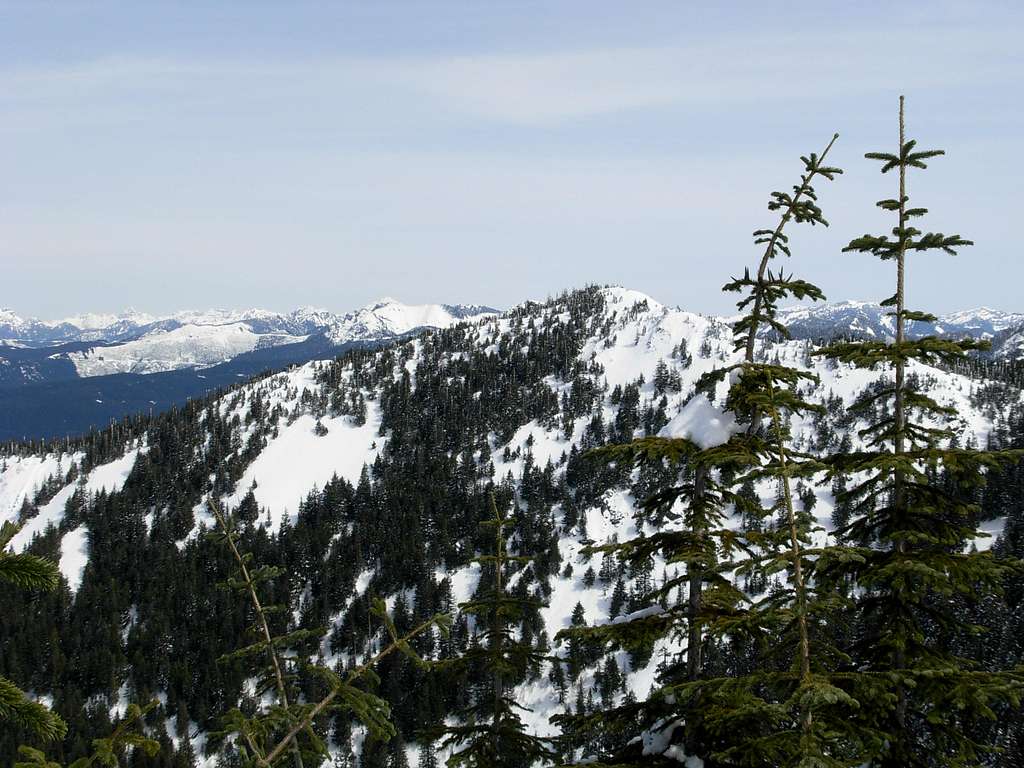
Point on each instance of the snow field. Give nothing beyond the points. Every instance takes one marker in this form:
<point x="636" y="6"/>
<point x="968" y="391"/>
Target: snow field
<point x="24" y="476"/>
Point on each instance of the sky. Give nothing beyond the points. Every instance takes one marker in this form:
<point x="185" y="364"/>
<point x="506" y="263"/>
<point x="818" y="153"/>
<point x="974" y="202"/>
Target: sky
<point x="194" y="155"/>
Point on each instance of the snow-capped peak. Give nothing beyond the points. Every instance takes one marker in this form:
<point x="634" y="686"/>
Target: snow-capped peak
<point x="386" y="316"/>
<point x="93" y="321"/>
<point x="136" y="342"/>
<point x="996" y="319"/>
<point x="389" y="317"/>
<point x="617" y="294"/>
<point x="870" y="320"/>
<point x="10" y="317"/>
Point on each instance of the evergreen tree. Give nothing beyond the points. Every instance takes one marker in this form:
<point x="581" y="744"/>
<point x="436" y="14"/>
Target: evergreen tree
<point x="618" y="599"/>
<point x="427" y="756"/>
<point x="718" y="714"/>
<point x="916" y="568"/>
<point x="492" y="735"/>
<point x="794" y="707"/>
<point x="263" y="738"/>
<point x="274" y="675"/>
<point x="16" y="709"/>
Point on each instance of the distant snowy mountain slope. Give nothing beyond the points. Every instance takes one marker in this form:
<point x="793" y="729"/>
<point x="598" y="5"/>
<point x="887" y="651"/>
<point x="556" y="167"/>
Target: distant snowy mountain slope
<point x="386" y="316"/>
<point x="46" y="368"/>
<point x="1011" y="345"/>
<point x="190" y="346"/>
<point x="350" y="465"/>
<point x="860" y="319"/>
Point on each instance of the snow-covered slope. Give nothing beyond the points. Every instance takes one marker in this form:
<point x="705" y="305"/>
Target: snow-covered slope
<point x="190" y="346"/>
<point x="861" y="319"/>
<point x="1011" y="346"/>
<point x="637" y="335"/>
<point x="24" y="479"/>
<point x="108" y="323"/>
<point x="386" y="316"/>
<point x="389" y="317"/>
<point x="628" y="341"/>
<point x="133" y="342"/>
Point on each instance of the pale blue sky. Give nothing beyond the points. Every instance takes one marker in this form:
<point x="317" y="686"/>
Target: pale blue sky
<point x="277" y="154"/>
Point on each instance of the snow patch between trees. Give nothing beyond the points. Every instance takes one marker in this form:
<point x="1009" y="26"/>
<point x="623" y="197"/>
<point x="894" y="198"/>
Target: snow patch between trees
<point x="298" y="459"/>
<point x="702" y="423"/>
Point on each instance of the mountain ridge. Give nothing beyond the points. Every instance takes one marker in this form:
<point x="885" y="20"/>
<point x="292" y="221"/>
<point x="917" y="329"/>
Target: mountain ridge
<point x="50" y="387"/>
<point x="131" y="324"/>
<point x="369" y="473"/>
<point x="865" y="319"/>
<point x="67" y="387"/>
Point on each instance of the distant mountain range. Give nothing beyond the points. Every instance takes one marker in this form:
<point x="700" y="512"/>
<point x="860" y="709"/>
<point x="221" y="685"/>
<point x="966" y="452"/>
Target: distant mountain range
<point x="63" y="377"/>
<point x="859" y="319"/>
<point x="135" y="342"/>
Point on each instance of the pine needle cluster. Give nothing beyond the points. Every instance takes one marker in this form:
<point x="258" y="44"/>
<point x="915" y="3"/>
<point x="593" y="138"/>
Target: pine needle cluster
<point x="28" y="572"/>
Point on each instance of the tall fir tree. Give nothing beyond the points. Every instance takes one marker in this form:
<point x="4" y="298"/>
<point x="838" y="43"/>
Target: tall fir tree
<point x="918" y="565"/>
<point x="708" y="550"/>
<point x="492" y="734"/>
<point x="793" y="709"/>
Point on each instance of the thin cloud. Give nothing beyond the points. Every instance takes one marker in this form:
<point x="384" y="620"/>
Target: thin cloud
<point x="541" y="88"/>
<point x="549" y="88"/>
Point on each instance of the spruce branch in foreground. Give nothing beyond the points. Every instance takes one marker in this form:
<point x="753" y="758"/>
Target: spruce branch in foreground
<point x="128" y="735"/>
<point x="268" y="644"/>
<point x="268" y="738"/>
<point x="29" y="572"/>
<point x="371" y="710"/>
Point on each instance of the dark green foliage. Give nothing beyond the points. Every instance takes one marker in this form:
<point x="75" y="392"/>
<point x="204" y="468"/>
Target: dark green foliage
<point x="766" y="288"/>
<point x="916" y="569"/>
<point x="697" y="541"/>
<point x="284" y="732"/>
<point x="127" y="738"/>
<point x="491" y="734"/>
<point x="24" y="570"/>
<point x="29" y="572"/>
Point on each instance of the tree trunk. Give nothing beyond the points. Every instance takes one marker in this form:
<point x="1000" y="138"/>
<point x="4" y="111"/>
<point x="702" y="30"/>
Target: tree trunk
<point x="799" y="586"/>
<point x="899" y="424"/>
